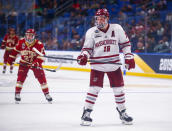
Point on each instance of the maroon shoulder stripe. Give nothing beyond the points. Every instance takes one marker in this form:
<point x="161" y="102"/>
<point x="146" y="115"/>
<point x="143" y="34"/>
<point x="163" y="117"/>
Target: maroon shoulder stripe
<point x="124" y="43"/>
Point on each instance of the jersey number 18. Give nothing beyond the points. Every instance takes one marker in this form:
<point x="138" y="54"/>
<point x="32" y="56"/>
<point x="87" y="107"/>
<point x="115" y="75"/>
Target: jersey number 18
<point x="106" y="48"/>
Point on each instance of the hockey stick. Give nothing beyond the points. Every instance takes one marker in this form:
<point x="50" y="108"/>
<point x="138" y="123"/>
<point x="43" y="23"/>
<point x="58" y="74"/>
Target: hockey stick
<point x="56" y="69"/>
<point x="39" y="53"/>
<point x="51" y="70"/>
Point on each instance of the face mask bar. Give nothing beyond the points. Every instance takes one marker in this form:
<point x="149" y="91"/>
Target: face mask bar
<point x="29" y="37"/>
<point x="99" y="23"/>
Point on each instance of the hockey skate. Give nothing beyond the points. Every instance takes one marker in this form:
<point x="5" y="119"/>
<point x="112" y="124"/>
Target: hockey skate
<point x="17" y="98"/>
<point x="3" y="71"/>
<point x="127" y="120"/>
<point x="85" y="119"/>
<point x="48" y="98"/>
<point x="11" y="71"/>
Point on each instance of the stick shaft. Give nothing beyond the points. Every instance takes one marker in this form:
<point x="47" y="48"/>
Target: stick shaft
<point x="51" y="70"/>
<point x="92" y="61"/>
<point x="63" y="58"/>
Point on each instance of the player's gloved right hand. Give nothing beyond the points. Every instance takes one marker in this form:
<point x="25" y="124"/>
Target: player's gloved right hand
<point x="10" y="60"/>
<point x="37" y="63"/>
<point x="82" y="59"/>
<point x="129" y="61"/>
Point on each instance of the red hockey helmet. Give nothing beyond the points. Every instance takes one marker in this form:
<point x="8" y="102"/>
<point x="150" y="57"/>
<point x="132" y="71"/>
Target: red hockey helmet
<point x="101" y="18"/>
<point x="102" y="12"/>
<point x="30" y="35"/>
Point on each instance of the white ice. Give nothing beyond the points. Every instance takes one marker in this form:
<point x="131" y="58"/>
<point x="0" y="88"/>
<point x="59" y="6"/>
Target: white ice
<point x="148" y="101"/>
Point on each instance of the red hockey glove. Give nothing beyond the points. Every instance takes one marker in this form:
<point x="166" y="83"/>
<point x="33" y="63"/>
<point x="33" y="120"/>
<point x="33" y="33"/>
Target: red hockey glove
<point x="129" y="61"/>
<point x="37" y="63"/>
<point x="10" y="60"/>
<point x="2" y="46"/>
<point x="82" y="59"/>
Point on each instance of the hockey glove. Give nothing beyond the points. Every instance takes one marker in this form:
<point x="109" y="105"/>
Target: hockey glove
<point x="129" y="61"/>
<point x="2" y="46"/>
<point x="36" y="63"/>
<point x="82" y="59"/>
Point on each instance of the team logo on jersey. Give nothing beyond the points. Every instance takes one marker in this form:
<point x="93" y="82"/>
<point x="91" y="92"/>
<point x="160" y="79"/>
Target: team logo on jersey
<point x="96" y="31"/>
<point x="105" y="42"/>
<point x="113" y="34"/>
<point x="97" y="35"/>
<point x="23" y="45"/>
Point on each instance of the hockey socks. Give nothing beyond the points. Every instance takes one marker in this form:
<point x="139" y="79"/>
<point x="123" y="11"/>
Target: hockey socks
<point x="4" y="68"/>
<point x="92" y="96"/>
<point x="11" y="69"/>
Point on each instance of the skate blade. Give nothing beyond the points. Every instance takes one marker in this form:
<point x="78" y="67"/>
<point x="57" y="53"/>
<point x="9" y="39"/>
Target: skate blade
<point x="85" y="123"/>
<point x="50" y="102"/>
<point x="17" y="102"/>
<point x="127" y="123"/>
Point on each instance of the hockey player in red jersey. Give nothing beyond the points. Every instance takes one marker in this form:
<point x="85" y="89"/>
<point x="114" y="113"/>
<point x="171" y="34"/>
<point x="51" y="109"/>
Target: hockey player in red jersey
<point x="29" y="60"/>
<point x="103" y="42"/>
<point x="8" y="43"/>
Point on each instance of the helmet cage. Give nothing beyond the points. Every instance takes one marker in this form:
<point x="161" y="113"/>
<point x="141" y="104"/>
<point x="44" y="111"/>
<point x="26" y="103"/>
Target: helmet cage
<point x="99" y="22"/>
<point x="100" y="14"/>
<point x="30" y="35"/>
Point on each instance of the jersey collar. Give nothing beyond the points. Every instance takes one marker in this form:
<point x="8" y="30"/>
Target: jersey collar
<point x="31" y="44"/>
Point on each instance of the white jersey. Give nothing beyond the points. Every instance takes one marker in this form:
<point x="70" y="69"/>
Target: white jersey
<point x="105" y="46"/>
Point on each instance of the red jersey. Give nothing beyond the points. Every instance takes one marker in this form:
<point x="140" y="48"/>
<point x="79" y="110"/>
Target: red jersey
<point x="9" y="42"/>
<point x="25" y="50"/>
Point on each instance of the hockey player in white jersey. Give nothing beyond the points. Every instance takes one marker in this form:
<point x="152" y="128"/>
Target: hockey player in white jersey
<point x="103" y="43"/>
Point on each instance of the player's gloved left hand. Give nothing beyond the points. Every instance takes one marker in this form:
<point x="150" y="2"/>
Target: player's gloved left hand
<point x="36" y="63"/>
<point x="82" y="59"/>
<point x="129" y="61"/>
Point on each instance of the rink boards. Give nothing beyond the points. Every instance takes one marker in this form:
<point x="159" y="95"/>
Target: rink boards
<point x="147" y="65"/>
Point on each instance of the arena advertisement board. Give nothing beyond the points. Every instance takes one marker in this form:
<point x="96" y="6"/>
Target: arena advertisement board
<point x="160" y="63"/>
<point x="68" y="64"/>
<point x="146" y="64"/>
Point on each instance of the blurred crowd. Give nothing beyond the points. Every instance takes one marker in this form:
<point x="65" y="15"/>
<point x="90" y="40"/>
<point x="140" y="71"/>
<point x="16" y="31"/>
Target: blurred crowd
<point x="147" y="23"/>
<point x="148" y="29"/>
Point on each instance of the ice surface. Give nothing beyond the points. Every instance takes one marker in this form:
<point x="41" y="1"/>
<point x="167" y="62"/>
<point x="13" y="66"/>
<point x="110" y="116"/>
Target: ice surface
<point x="148" y="101"/>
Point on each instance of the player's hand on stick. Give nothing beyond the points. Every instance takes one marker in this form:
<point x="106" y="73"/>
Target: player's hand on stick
<point x="36" y="63"/>
<point x="82" y="59"/>
<point x="129" y="61"/>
